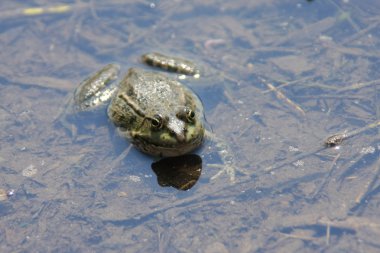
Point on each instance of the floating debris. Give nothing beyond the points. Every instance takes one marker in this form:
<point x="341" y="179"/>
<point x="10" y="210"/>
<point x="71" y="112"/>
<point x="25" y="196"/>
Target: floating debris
<point x="30" y="171"/>
<point x="368" y="150"/>
<point x="211" y="43"/>
<point x="134" y="178"/>
<point x="122" y="194"/>
<point x="43" y="10"/>
<point x="299" y="163"/>
<point x="3" y="195"/>
<point x="11" y="192"/>
<point x="293" y="149"/>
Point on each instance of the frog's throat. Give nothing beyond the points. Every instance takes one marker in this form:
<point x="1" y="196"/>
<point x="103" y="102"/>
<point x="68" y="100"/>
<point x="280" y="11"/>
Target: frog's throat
<point x="166" y="151"/>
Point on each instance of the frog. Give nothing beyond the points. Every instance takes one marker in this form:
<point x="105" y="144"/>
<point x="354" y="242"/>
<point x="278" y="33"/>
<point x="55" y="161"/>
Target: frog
<point x="158" y="114"/>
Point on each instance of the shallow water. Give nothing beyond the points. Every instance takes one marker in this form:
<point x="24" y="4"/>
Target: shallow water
<point x="276" y="80"/>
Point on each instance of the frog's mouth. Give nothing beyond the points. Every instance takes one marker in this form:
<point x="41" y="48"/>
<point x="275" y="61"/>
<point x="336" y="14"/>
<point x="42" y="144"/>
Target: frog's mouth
<point x="167" y="150"/>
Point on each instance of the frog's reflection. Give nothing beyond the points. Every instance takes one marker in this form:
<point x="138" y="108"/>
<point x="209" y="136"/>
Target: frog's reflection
<point x="181" y="172"/>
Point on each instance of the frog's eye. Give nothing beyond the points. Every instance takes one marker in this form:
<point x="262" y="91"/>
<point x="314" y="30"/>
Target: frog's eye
<point x="190" y="114"/>
<point x="156" y="122"/>
<point x="187" y="114"/>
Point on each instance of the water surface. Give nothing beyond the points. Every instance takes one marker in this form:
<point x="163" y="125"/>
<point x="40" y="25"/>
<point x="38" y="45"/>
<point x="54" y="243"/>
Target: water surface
<point x="278" y="78"/>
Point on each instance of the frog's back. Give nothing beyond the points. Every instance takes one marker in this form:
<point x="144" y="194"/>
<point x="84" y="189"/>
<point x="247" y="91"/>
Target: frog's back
<point x="143" y="93"/>
<point x="152" y="91"/>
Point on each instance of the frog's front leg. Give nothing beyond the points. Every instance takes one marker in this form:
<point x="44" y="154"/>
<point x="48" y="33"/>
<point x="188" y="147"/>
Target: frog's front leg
<point x="228" y="165"/>
<point x="95" y="90"/>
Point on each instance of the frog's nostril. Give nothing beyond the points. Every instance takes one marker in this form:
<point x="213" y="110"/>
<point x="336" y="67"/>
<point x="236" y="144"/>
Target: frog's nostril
<point x="180" y="137"/>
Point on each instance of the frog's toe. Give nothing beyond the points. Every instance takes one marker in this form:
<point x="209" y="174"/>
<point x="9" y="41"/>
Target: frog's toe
<point x="230" y="170"/>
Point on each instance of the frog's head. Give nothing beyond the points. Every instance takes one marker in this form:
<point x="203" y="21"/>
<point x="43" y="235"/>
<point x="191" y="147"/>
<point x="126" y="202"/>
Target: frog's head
<point x="170" y="135"/>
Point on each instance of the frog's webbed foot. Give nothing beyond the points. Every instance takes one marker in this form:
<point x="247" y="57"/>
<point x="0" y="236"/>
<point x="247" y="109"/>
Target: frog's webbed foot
<point x="227" y="169"/>
<point x="228" y="164"/>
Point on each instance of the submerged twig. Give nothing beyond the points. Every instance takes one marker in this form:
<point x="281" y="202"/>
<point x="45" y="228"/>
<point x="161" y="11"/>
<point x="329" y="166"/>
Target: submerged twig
<point x="287" y="83"/>
<point x="328" y="230"/>
<point x="369" y="186"/>
<point x="357" y="86"/>
<point x="301" y="237"/>
<point x="349" y="222"/>
<point x="287" y="100"/>
<point x="296" y="158"/>
<point x="330" y="171"/>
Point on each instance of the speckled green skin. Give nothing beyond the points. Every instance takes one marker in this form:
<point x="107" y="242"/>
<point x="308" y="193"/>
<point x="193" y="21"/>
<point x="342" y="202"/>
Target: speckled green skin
<point x="159" y="115"/>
